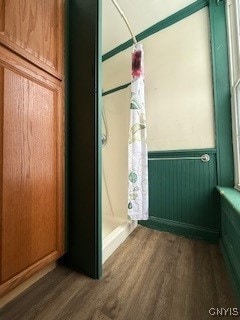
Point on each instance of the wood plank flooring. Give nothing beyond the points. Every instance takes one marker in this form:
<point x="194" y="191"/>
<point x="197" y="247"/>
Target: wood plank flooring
<point x="152" y="276"/>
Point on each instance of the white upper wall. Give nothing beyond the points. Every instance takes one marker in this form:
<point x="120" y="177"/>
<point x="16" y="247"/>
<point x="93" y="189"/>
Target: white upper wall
<point x="178" y="77"/>
<point x="179" y="92"/>
<point x="141" y="14"/>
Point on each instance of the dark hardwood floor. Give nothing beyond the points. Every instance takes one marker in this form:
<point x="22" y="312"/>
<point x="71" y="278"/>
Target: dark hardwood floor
<point x="152" y="276"/>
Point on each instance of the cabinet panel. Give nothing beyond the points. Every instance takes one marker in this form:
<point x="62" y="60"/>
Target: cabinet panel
<point x="32" y="156"/>
<point x="34" y="30"/>
<point x="1" y="152"/>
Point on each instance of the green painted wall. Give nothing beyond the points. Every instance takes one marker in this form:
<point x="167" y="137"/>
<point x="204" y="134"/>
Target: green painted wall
<point x="230" y="234"/>
<point x="182" y="194"/>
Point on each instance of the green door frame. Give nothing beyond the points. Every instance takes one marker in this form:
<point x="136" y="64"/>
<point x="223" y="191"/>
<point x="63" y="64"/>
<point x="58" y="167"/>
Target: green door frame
<point x="222" y="95"/>
<point x="84" y="94"/>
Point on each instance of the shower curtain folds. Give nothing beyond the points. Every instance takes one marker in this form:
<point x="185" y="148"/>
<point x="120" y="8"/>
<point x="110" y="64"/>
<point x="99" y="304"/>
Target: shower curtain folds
<point x="137" y="147"/>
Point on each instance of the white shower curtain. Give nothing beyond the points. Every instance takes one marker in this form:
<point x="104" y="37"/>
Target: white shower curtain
<point x="137" y="147"/>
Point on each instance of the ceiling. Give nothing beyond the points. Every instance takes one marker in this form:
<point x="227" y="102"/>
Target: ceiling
<point x="141" y="15"/>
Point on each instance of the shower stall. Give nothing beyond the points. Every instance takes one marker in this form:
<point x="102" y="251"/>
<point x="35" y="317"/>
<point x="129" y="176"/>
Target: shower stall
<point x="97" y="175"/>
<point x="124" y="153"/>
<point x="116" y="225"/>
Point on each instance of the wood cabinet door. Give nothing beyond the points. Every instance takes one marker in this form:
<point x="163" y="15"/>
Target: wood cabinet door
<point x="34" y="30"/>
<point x="31" y="156"/>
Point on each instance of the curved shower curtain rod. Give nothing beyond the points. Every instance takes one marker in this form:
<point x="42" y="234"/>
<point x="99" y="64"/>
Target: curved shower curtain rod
<point x="125" y="19"/>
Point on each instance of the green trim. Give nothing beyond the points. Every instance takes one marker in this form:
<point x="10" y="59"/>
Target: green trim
<point x="173" y="153"/>
<point x="124" y="86"/>
<point x="181" y="14"/>
<point x="222" y="100"/>
<point x="234" y="279"/>
<point x="66" y="75"/>
<point x="230" y="234"/>
<point x="84" y="159"/>
<point x="98" y="245"/>
<point x="232" y="196"/>
<point x="183" y="229"/>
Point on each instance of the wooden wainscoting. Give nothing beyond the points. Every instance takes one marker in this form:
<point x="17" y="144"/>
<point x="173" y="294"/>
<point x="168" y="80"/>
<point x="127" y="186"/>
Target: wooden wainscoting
<point x="182" y="193"/>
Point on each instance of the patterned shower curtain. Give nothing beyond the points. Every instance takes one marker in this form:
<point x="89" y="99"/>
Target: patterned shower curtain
<point x="137" y="147"/>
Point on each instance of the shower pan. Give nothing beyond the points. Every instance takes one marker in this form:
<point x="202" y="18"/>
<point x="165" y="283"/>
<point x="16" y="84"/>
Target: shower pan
<point x="116" y="226"/>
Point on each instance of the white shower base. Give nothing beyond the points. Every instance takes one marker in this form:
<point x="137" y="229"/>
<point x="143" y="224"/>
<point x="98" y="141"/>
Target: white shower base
<point x="114" y="233"/>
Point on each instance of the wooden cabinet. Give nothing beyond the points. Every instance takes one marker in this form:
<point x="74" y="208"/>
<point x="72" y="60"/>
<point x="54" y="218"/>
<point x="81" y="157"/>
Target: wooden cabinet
<point x="31" y="138"/>
<point x="34" y="30"/>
